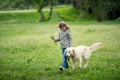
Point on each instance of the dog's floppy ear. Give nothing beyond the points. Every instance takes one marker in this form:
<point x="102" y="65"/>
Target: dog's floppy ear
<point x="73" y="52"/>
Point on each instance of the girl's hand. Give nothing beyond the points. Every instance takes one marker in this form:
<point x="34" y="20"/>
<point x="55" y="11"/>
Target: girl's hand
<point x="53" y="38"/>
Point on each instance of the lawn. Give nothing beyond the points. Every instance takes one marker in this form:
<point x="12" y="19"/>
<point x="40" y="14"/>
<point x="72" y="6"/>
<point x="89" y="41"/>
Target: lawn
<point x="28" y="53"/>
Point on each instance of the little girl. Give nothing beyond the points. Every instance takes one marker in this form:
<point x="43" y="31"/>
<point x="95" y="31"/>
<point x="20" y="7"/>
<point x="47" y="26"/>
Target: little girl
<point x="65" y="41"/>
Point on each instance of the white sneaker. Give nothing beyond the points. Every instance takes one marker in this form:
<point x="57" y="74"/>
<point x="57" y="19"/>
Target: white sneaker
<point x="62" y="68"/>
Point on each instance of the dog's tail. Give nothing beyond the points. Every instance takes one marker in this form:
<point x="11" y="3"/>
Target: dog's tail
<point x="96" y="46"/>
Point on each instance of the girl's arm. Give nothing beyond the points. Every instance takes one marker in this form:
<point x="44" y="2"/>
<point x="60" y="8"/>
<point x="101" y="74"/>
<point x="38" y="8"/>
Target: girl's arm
<point x="57" y="40"/>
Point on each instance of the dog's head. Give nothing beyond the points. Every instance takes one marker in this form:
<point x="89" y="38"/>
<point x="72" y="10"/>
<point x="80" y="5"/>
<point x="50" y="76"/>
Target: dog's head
<point x="70" y="52"/>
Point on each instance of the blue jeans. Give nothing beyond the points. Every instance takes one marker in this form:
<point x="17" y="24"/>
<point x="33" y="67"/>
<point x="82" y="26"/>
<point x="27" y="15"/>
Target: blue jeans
<point x="65" y="63"/>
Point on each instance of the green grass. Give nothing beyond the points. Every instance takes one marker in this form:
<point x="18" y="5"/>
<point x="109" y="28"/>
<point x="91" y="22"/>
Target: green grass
<point x="19" y="17"/>
<point x="28" y="53"/>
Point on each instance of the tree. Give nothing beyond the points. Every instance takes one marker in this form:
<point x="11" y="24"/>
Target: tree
<point x="28" y="3"/>
<point x="101" y="9"/>
<point x="51" y="8"/>
<point x="41" y="4"/>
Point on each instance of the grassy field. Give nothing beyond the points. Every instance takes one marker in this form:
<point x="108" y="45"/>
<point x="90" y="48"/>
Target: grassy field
<point x="28" y="53"/>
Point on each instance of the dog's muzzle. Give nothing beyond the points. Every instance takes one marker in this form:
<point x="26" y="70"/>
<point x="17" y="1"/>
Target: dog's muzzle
<point x="68" y="57"/>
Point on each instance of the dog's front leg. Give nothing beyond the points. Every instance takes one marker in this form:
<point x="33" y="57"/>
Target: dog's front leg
<point x="80" y="62"/>
<point x="73" y="64"/>
<point x="86" y="63"/>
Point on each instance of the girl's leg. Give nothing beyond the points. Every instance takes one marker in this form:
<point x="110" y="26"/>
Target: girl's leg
<point x="65" y="63"/>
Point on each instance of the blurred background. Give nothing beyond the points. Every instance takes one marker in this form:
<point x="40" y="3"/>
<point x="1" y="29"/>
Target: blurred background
<point x="99" y="10"/>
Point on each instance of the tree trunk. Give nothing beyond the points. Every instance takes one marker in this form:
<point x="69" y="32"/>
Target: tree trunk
<point x="51" y="8"/>
<point x="42" y="18"/>
<point x="75" y="3"/>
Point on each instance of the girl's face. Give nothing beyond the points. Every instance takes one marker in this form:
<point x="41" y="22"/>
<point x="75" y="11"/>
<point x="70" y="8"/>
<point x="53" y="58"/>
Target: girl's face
<point x="62" y="28"/>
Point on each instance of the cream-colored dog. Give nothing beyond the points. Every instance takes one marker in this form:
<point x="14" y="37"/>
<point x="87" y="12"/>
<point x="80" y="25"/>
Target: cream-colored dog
<point x="81" y="53"/>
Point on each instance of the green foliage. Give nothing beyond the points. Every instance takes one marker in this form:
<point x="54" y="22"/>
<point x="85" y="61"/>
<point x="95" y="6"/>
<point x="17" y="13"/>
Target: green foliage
<point x="72" y="14"/>
<point x="42" y="3"/>
<point x="27" y="4"/>
<point x="105" y="10"/>
<point x="101" y="9"/>
<point x="61" y="2"/>
<point x="16" y="4"/>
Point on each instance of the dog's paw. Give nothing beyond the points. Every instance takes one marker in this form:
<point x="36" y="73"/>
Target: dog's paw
<point x="85" y="66"/>
<point x="80" y="66"/>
